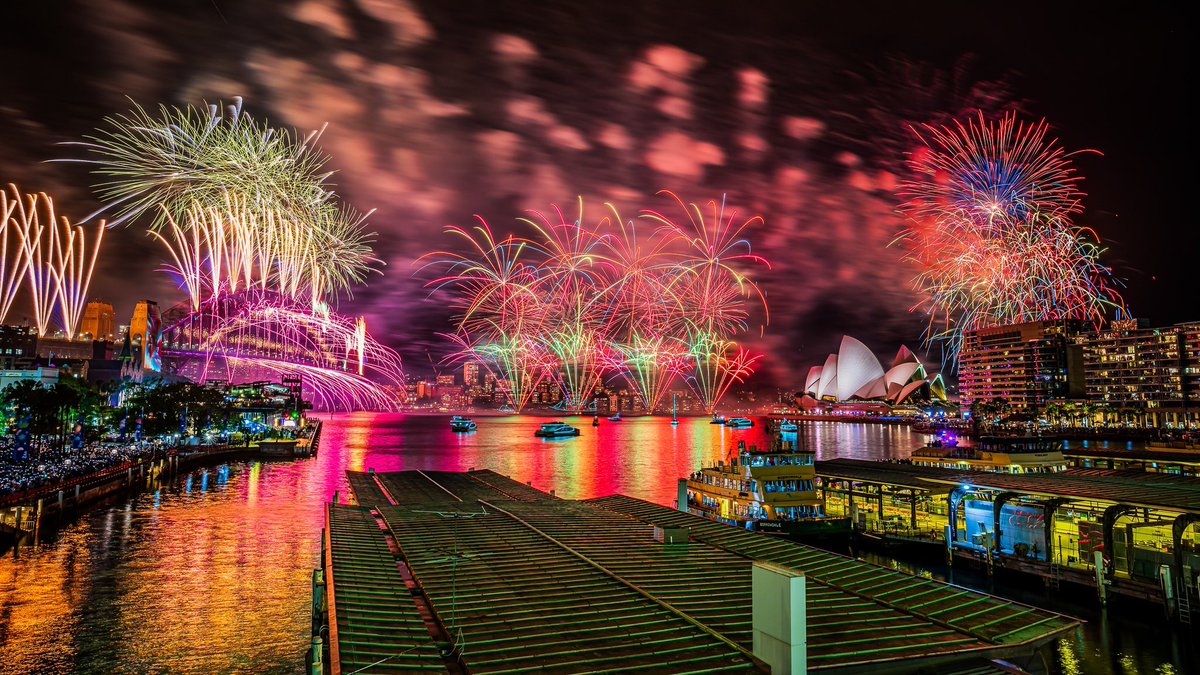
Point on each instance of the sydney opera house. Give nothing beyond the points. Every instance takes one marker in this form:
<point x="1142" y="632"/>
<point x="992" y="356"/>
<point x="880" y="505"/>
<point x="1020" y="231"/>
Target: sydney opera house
<point x="854" y="375"/>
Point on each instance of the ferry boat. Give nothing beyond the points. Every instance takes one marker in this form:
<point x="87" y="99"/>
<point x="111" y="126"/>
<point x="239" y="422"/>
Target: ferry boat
<point x="615" y="418"/>
<point x="997" y="454"/>
<point x="462" y="424"/>
<point x="739" y="423"/>
<point x="556" y="430"/>
<point x="718" y="419"/>
<point x="772" y="491"/>
<point x="788" y="427"/>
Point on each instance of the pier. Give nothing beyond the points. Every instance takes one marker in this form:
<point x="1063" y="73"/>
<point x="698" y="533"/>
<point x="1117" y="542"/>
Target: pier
<point x="1126" y="532"/>
<point x="506" y="578"/>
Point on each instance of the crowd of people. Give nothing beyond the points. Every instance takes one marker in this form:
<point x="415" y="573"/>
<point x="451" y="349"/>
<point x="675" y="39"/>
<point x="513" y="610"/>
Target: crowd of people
<point x="48" y="466"/>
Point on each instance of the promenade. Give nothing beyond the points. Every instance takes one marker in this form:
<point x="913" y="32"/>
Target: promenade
<point x="49" y="469"/>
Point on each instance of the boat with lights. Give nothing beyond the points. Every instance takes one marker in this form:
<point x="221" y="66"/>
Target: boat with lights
<point x="770" y="491"/>
<point x="997" y="454"/>
<point x="462" y="424"/>
<point x="556" y="430"/>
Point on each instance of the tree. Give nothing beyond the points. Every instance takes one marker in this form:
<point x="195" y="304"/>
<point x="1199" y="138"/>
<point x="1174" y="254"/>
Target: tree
<point x="1054" y="412"/>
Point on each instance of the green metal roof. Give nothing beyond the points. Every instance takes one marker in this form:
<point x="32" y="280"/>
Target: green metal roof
<point x="516" y="602"/>
<point x="377" y="628"/>
<point x="366" y="489"/>
<point x="930" y="604"/>
<point x="525" y="582"/>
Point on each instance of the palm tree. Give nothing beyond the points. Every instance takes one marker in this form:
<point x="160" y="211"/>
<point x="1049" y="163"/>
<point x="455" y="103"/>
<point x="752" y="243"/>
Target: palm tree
<point x="1054" y="411"/>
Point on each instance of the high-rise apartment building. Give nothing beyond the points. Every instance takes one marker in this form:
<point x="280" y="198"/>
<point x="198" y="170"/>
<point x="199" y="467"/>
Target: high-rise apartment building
<point x="1023" y="364"/>
<point x="1150" y="374"/>
<point x="99" y="321"/>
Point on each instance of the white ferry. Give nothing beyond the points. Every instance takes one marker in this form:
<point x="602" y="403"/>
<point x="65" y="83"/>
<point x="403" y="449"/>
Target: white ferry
<point x="739" y="423"/>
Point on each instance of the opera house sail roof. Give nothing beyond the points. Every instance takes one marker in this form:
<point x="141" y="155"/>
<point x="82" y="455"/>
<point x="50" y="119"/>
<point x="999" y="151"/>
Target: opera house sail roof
<point x="855" y="374"/>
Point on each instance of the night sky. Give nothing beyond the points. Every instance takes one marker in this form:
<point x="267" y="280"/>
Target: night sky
<point x="798" y="111"/>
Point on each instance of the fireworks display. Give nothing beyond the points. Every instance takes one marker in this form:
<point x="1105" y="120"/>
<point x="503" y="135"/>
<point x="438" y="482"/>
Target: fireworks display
<point x="48" y="256"/>
<point x="991" y="207"/>
<point x="259" y="244"/>
<point x="643" y="301"/>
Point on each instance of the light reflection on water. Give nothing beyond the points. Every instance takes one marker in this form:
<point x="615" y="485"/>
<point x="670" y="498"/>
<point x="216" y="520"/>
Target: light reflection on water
<point x="211" y="573"/>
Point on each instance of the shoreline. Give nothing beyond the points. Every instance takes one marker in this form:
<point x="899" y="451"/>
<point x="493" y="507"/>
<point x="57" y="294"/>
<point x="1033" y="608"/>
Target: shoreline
<point x="21" y="518"/>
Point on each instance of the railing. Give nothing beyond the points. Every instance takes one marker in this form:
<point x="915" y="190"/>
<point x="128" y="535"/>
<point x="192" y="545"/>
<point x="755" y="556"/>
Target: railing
<point x="46" y="489"/>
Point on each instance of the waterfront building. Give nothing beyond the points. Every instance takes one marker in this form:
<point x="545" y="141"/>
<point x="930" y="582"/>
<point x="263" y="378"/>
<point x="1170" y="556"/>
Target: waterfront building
<point x="1059" y="525"/>
<point x="1148" y="376"/>
<point x="18" y="347"/>
<point x="43" y="375"/>
<point x="854" y="375"/>
<point x="99" y="322"/>
<point x="1024" y="364"/>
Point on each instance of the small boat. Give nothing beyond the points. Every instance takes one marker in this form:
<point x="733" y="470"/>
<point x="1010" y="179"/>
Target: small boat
<point x="556" y="430"/>
<point x="718" y="419"/>
<point x="615" y="418"/>
<point x="788" y="427"/>
<point x="596" y="421"/>
<point x="674" y="410"/>
<point x="739" y="423"/>
<point x="462" y="424"/>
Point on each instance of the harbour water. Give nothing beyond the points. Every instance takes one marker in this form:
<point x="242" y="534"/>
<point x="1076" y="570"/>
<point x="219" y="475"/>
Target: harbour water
<point x="211" y="572"/>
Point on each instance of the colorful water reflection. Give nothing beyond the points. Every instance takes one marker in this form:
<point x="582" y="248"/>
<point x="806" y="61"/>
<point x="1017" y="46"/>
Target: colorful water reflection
<point x="211" y="573"/>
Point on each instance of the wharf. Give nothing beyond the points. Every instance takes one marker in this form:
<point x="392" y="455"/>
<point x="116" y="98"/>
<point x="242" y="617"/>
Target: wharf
<point x="516" y="580"/>
<point x="1054" y="525"/>
<point x="1177" y="459"/>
